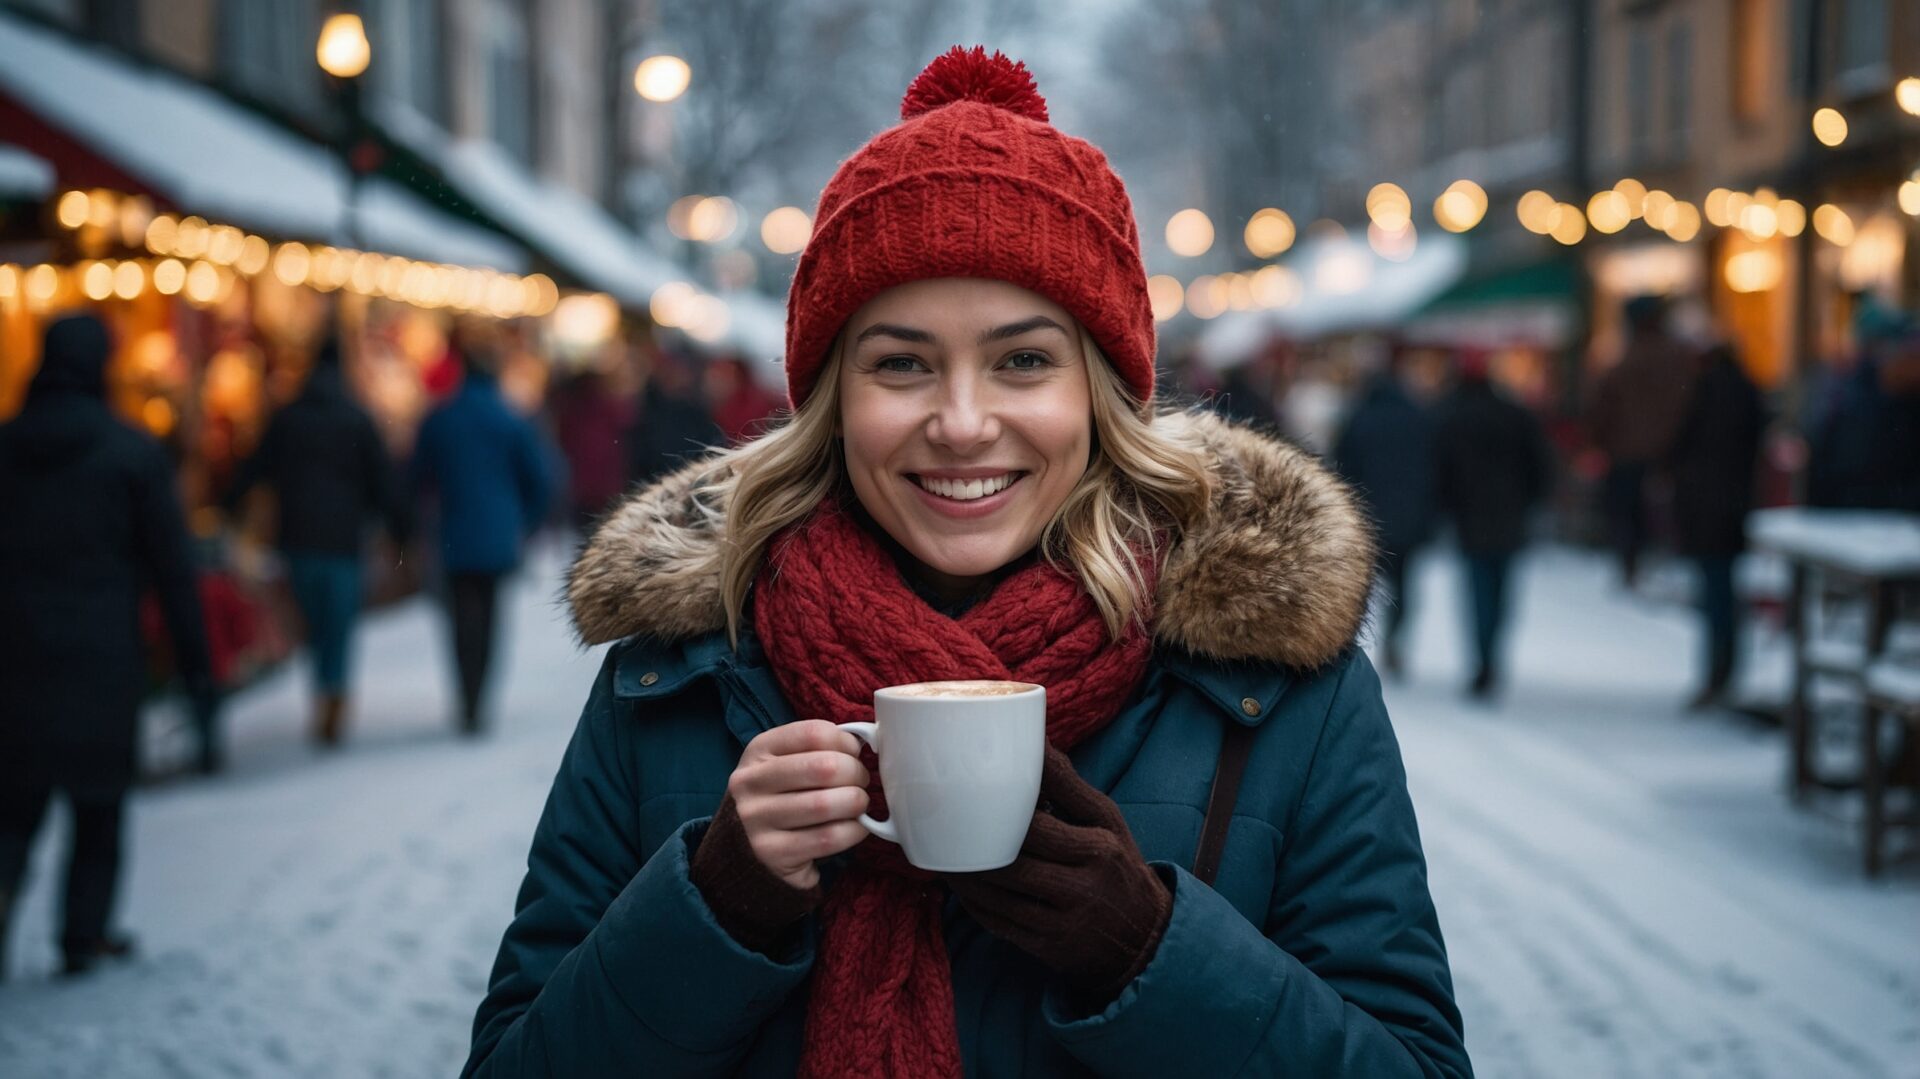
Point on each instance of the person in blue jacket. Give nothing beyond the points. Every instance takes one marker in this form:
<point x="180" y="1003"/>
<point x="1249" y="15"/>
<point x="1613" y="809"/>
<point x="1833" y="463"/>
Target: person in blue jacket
<point x="974" y="484"/>
<point x="491" y="476"/>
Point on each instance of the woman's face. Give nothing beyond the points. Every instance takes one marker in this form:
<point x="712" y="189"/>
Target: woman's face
<point x="966" y="418"/>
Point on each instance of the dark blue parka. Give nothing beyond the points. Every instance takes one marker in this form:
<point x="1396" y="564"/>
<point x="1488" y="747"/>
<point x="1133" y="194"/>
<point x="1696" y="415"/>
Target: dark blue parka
<point x="1315" y="952"/>
<point x="492" y="473"/>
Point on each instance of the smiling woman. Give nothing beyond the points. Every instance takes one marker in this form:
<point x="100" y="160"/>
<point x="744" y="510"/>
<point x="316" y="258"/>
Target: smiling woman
<point x="974" y="485"/>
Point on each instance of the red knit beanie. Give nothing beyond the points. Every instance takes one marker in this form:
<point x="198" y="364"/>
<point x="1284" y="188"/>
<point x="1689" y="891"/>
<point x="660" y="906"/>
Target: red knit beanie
<point x="973" y="182"/>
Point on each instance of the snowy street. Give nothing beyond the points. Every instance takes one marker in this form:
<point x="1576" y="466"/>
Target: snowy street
<point x="1625" y="888"/>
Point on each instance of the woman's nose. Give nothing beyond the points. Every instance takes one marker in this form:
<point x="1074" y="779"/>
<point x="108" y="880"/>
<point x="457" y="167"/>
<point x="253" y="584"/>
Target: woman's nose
<point x="963" y="420"/>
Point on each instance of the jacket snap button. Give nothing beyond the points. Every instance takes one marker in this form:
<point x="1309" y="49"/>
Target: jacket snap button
<point x="649" y="678"/>
<point x="1250" y="706"/>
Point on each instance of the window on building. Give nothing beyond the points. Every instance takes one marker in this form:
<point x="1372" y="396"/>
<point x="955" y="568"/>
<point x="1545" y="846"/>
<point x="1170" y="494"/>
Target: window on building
<point x="64" y="12"/>
<point x="266" y="52"/>
<point x="1639" y="90"/>
<point x="1679" y="87"/>
<point x="116" y="22"/>
<point x="510" y="77"/>
<point x="1864" y="32"/>
<point x="1754" y="67"/>
<point x="1463" y="16"/>
<point x="407" y="54"/>
<point x="1800" y="36"/>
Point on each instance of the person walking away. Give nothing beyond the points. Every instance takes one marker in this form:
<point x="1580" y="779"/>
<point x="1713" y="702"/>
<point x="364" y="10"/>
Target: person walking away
<point x="741" y="407"/>
<point x="1385" y="450"/>
<point x="488" y="470"/>
<point x="1637" y="410"/>
<point x="974" y="483"/>
<point x="91" y="519"/>
<point x="323" y="457"/>
<point x="1865" y="451"/>
<point x="673" y="424"/>
<point x="591" y="421"/>
<point x="1492" y="467"/>
<point x="1713" y="487"/>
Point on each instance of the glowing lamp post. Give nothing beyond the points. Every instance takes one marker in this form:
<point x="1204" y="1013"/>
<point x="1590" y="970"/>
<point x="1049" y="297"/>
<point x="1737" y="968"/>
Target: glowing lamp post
<point x="344" y="53"/>
<point x="662" y="78"/>
<point x="343" y="50"/>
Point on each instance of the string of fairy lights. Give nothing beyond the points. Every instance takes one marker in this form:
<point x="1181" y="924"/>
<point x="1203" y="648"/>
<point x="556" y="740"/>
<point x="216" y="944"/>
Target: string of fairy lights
<point x="1759" y="216"/>
<point x="201" y="262"/>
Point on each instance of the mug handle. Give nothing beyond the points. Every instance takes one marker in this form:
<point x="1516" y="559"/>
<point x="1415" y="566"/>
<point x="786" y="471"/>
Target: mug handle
<point x="870" y="734"/>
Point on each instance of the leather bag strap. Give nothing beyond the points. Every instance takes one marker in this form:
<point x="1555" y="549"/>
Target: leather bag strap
<point x="1236" y="744"/>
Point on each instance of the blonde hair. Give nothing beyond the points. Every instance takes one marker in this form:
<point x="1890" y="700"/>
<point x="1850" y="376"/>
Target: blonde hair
<point x="1147" y="484"/>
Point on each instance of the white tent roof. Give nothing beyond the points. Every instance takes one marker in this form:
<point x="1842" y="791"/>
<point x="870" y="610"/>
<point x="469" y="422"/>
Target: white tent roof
<point x="1345" y="287"/>
<point x="561" y="224"/>
<point x="212" y="157"/>
<point x="583" y="237"/>
<point x="757" y="327"/>
<point x="23" y="175"/>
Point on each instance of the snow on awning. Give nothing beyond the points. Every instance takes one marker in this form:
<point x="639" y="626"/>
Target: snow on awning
<point x="757" y="327"/>
<point x="209" y="156"/>
<point x="1343" y="287"/>
<point x="23" y="175"/>
<point x="568" y="229"/>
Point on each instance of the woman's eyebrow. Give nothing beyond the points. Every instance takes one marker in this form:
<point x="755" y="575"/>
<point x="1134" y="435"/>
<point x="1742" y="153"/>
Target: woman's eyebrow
<point x="887" y="329"/>
<point x="922" y="337"/>
<point x="1015" y="329"/>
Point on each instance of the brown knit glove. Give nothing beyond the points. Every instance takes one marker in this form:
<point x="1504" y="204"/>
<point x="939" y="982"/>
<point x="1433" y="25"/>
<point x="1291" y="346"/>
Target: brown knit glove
<point x="749" y="901"/>
<point x="1080" y="898"/>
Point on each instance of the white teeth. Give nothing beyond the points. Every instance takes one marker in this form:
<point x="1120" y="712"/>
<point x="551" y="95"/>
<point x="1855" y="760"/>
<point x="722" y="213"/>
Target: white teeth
<point x="967" y="490"/>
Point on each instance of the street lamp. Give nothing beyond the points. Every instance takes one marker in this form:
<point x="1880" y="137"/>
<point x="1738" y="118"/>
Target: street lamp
<point x="343" y="49"/>
<point x="662" y="78"/>
<point x="344" y="52"/>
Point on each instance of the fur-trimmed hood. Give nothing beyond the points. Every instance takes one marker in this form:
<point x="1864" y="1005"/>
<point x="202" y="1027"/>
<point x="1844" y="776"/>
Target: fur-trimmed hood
<point x="1278" y="573"/>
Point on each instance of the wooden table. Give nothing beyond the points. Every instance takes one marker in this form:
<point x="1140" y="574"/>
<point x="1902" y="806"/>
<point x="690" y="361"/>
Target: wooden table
<point x="1871" y="552"/>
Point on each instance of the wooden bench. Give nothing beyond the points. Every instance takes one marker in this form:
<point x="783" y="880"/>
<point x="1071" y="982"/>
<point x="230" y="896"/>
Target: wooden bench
<point x="1892" y="692"/>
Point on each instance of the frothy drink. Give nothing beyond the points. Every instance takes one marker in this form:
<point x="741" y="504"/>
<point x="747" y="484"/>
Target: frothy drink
<point x="961" y="689"/>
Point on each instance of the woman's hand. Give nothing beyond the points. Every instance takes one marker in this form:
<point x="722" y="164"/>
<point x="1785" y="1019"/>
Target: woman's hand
<point x="798" y="790"/>
<point x="1080" y="898"/>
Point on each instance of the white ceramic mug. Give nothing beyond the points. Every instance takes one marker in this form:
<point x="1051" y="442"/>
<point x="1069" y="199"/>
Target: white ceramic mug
<point x="961" y="765"/>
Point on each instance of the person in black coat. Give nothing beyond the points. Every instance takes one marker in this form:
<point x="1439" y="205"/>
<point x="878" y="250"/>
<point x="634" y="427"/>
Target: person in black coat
<point x="1492" y="467"/>
<point x="1386" y="452"/>
<point x="1713" y="478"/>
<point x="91" y="518"/>
<point x="324" y="459"/>
<point x="672" y="424"/>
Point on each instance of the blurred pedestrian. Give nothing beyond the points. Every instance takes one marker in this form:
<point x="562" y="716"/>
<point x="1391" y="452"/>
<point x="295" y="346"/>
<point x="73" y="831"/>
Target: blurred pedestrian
<point x="488" y="470"/>
<point x="592" y="420"/>
<point x="1385" y="450"/>
<point x="673" y="423"/>
<point x="91" y="518"/>
<point x="740" y="405"/>
<point x="1865" y="451"/>
<point x="1493" y="466"/>
<point x="1713" y="465"/>
<point x="332" y="479"/>
<point x="975" y="485"/>
<point x="1251" y="392"/>
<point x="1638" y="406"/>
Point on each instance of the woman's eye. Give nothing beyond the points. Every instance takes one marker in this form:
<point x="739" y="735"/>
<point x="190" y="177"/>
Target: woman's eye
<point x="1028" y="361"/>
<point x="898" y="365"/>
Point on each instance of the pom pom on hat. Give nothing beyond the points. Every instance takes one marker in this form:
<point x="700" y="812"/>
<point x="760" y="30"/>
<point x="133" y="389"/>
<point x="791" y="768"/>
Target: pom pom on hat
<point x="963" y="74"/>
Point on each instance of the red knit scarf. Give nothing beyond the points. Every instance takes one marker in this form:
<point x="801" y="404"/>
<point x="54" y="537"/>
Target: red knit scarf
<point x="838" y="622"/>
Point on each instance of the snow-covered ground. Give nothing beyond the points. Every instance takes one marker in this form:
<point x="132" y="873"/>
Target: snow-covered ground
<point x="1624" y="887"/>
